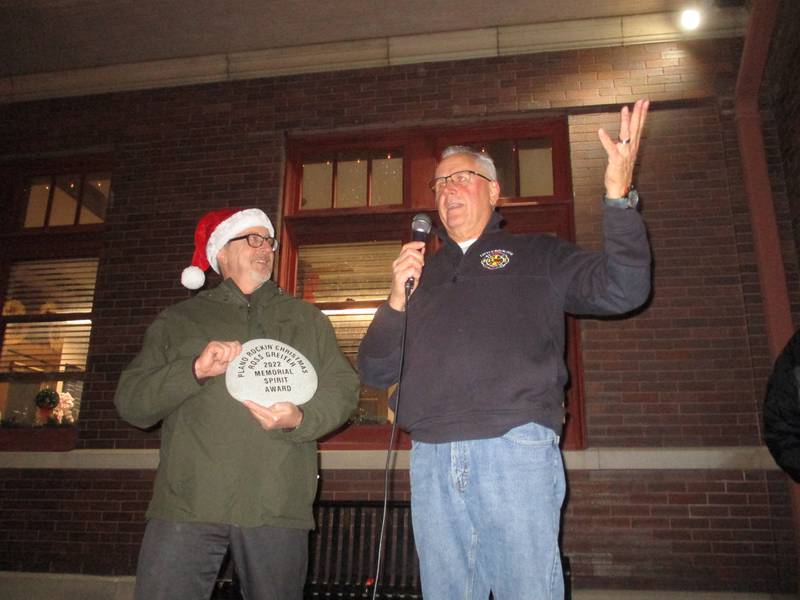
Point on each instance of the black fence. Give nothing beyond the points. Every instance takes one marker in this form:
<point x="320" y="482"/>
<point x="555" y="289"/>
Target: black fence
<point x="343" y="554"/>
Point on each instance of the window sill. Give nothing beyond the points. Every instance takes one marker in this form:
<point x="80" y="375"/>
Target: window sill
<point x="38" y="439"/>
<point x="364" y="437"/>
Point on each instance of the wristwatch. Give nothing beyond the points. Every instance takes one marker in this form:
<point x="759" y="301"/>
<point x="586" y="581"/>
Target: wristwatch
<point x="629" y="201"/>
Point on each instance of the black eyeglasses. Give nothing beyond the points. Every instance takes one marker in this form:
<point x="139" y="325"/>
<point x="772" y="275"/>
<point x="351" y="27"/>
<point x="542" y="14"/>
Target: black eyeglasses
<point x="459" y="178"/>
<point x="256" y="240"/>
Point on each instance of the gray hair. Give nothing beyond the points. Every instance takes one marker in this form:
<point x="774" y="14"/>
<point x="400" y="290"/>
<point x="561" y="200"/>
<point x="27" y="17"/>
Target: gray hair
<point x="482" y="158"/>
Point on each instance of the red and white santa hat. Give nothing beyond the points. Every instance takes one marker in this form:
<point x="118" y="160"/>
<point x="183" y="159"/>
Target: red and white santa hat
<point x="214" y="230"/>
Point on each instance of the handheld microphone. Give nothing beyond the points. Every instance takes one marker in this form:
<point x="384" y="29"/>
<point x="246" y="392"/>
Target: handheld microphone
<point x="420" y="229"/>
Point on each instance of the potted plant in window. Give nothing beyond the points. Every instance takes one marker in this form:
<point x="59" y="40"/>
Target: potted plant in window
<point x="55" y="429"/>
<point x="46" y="401"/>
<point x="62" y="415"/>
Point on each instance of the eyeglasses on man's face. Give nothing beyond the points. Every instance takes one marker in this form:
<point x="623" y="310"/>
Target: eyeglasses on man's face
<point x="459" y="178"/>
<point x="256" y="240"/>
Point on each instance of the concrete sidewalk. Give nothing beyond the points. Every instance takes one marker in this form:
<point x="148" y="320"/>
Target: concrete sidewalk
<point x="53" y="586"/>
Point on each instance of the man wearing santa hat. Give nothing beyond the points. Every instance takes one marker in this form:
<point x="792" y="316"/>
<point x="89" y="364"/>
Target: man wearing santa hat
<point x="231" y="474"/>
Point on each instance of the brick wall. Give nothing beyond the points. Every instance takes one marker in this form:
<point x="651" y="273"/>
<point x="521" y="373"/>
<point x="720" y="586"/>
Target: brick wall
<point x="92" y="521"/>
<point x="689" y="530"/>
<point x="687" y="370"/>
<point x="350" y="484"/>
<point x="72" y="521"/>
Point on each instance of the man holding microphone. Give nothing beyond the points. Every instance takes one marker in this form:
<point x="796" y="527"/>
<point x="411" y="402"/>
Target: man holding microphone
<point x="483" y="373"/>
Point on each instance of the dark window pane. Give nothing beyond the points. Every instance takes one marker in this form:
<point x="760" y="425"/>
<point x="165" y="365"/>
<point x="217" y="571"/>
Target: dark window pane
<point x="317" y="185"/>
<point x="535" y="167"/>
<point x="96" y="198"/>
<point x="65" y="200"/>
<point x="351" y="182"/>
<point x="38" y="194"/>
<point x="387" y="179"/>
<point x="502" y="152"/>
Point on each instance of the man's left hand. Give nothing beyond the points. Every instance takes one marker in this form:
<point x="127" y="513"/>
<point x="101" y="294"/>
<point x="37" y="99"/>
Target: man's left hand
<point x="622" y="152"/>
<point x="281" y="415"/>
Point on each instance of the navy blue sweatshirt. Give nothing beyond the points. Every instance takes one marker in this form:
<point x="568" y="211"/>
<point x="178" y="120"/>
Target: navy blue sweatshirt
<point x="485" y="339"/>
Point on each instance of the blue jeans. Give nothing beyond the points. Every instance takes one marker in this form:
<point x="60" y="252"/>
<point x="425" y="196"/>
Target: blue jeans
<point x="486" y="516"/>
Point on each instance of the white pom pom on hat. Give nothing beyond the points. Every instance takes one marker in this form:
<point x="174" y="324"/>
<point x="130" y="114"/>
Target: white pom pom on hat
<point x="193" y="278"/>
<point x="214" y="230"/>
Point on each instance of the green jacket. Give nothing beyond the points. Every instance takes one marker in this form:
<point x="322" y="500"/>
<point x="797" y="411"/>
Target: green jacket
<point x="217" y="464"/>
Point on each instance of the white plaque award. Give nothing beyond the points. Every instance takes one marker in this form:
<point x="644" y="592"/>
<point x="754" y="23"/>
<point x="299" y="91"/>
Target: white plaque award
<point x="268" y="371"/>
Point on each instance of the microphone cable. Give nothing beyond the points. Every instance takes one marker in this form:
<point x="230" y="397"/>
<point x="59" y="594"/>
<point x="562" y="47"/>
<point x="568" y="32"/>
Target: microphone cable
<point x="390" y="449"/>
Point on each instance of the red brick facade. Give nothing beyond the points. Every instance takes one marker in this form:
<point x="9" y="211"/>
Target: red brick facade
<point x="688" y="530"/>
<point x="687" y="371"/>
<point x="73" y="521"/>
<point x="690" y="369"/>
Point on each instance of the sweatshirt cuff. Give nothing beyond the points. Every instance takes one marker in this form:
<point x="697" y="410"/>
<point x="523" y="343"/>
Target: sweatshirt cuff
<point x="181" y="381"/>
<point x="302" y="418"/>
<point x="385" y="332"/>
<point x="621" y="219"/>
<point x="306" y="431"/>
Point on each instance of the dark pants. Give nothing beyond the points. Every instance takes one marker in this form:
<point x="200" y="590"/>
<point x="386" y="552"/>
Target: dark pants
<point x="181" y="560"/>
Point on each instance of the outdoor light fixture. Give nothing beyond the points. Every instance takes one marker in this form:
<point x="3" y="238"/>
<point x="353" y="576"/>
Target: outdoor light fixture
<point x="690" y="19"/>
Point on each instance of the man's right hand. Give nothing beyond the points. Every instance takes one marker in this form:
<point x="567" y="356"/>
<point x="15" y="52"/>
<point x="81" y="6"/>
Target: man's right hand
<point x="214" y="358"/>
<point x="408" y="264"/>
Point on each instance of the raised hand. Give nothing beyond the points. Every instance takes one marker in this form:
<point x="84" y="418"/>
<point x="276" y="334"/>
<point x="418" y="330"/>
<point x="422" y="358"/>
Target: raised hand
<point x="622" y="152"/>
<point x="408" y="264"/>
